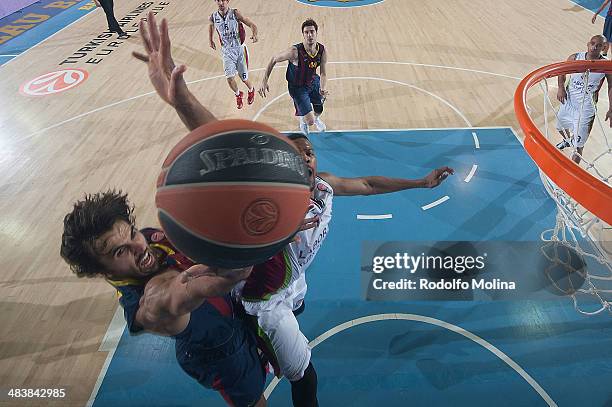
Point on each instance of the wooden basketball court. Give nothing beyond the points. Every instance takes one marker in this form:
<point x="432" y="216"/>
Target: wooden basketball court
<point x="397" y="64"/>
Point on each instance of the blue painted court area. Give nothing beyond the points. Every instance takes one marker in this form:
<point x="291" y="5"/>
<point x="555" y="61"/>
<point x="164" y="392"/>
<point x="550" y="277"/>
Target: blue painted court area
<point x="419" y="361"/>
<point x="340" y="3"/>
<point x="592" y="5"/>
<point x="24" y="29"/>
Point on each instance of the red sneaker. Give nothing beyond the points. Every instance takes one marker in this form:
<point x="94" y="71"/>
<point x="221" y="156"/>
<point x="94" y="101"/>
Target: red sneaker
<point x="251" y="96"/>
<point x="239" y="103"/>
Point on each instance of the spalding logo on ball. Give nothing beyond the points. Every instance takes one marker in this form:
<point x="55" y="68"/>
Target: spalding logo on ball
<point x="232" y="193"/>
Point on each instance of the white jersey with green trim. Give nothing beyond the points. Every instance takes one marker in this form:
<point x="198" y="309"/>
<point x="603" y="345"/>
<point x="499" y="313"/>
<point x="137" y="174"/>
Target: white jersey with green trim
<point x="307" y="246"/>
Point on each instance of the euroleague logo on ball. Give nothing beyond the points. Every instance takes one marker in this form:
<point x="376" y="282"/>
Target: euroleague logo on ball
<point x="260" y="139"/>
<point x="54" y="82"/>
<point x="260" y="217"/>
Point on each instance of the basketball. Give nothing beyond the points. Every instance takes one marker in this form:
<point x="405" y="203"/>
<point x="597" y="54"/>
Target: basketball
<point x="232" y="193"/>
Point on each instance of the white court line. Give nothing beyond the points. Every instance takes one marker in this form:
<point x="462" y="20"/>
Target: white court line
<point x="375" y="217"/>
<point x="255" y="70"/>
<point x="453" y="68"/>
<point x="374" y="78"/>
<point x="521" y="142"/>
<point x="476" y="141"/>
<point x="340" y="7"/>
<point x="7" y="55"/>
<point x="433" y="321"/>
<point x="435" y="203"/>
<point x="106" y="107"/>
<point x="109" y="343"/>
<point x="584" y="8"/>
<point x="471" y="174"/>
<point x="114" y="332"/>
<point x="414" y="129"/>
<point x="268" y="105"/>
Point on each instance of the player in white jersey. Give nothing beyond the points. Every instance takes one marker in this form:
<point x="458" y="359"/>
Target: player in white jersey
<point x="228" y="23"/>
<point x="277" y="288"/>
<point x="325" y="186"/>
<point x="579" y="99"/>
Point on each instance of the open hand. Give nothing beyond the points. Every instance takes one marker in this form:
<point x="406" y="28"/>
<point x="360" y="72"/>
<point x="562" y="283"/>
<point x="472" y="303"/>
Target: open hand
<point x="435" y="178"/>
<point x="166" y="77"/>
<point x="561" y="95"/>
<point x="263" y="89"/>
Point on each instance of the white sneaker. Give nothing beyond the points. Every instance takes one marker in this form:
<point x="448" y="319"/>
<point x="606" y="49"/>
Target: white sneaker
<point x="320" y="125"/>
<point x="304" y="126"/>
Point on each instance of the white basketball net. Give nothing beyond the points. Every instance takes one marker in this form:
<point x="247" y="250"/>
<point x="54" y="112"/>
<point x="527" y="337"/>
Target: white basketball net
<point x="576" y="228"/>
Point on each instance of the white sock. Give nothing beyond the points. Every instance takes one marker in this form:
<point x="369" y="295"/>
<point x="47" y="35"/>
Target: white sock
<point x="237" y="93"/>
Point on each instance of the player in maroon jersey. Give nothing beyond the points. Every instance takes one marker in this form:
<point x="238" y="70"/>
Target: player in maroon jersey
<point x="307" y="89"/>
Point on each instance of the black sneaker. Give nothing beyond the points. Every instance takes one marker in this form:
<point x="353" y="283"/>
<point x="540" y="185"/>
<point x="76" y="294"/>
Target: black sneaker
<point x="562" y="145"/>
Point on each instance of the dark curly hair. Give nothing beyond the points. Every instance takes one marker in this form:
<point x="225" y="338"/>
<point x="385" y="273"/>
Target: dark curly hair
<point x="310" y="23"/>
<point x="90" y="218"/>
<point x="295" y="136"/>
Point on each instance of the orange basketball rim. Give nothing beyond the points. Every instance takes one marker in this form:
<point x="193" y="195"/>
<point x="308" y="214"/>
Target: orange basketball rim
<point x="593" y="194"/>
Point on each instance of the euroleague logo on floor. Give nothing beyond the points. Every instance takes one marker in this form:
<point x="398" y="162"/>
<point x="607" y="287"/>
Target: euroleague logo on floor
<point x="340" y="3"/>
<point x="54" y="82"/>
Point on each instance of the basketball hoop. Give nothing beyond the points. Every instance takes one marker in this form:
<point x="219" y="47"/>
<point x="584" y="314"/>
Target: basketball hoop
<point x="583" y="193"/>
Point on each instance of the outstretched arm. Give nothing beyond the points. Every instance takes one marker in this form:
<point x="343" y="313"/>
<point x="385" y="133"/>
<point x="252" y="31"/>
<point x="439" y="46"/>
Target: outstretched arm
<point x="287" y="55"/>
<point x="375" y="185"/>
<point x="166" y="77"/>
<point x="603" y="5"/>
<point x="248" y="23"/>
<point x="166" y="302"/>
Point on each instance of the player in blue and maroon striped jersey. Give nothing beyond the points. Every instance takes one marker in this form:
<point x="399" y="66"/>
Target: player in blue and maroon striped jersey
<point x="307" y="89"/>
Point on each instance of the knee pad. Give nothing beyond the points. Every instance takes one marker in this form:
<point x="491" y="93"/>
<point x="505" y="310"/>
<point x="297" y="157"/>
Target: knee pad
<point x="318" y="109"/>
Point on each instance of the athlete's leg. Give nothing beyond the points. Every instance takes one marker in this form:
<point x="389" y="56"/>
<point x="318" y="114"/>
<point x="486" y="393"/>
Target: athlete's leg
<point x="232" y="84"/>
<point x="230" y="58"/>
<point x="303" y="107"/>
<point x="239" y="378"/>
<point x="581" y="133"/>
<point x="239" y="94"/>
<point x="317" y="103"/>
<point x="304" y="391"/>
<point x="565" y="122"/>
<point x="576" y="156"/>
<point x="242" y="66"/>
<point x="251" y="91"/>
<point x="288" y="343"/>
<point x="607" y="33"/>
<point x="309" y="118"/>
<point x="291" y="350"/>
<point x="565" y="133"/>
